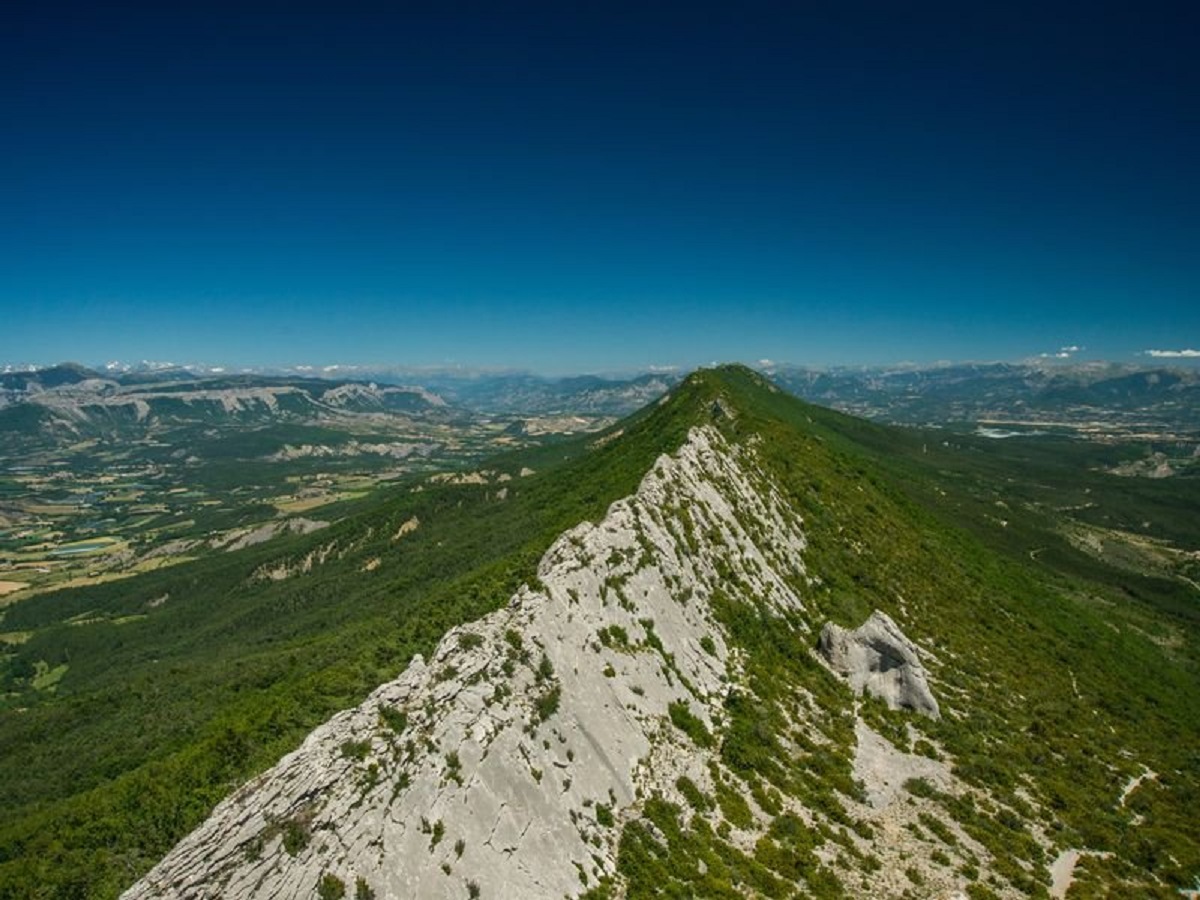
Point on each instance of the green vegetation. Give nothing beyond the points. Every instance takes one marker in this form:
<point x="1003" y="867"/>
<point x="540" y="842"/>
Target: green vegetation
<point x="732" y="803"/>
<point x="108" y="492"/>
<point x="1061" y="671"/>
<point x="893" y="521"/>
<point x="614" y="636"/>
<point x="1033" y="639"/>
<point x="395" y="719"/>
<point x="295" y="836"/>
<point x="356" y="750"/>
<point x="469" y="640"/>
<point x="330" y="887"/>
<point x="454" y="767"/>
<point x="546" y="704"/>
<point x="685" y="720"/>
<point x="694" y="796"/>
<point x="696" y="862"/>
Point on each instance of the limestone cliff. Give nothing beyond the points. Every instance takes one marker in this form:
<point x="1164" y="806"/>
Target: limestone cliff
<point x="495" y="767"/>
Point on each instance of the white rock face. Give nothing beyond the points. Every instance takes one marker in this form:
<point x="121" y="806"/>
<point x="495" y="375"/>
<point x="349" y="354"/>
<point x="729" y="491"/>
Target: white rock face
<point x="877" y="658"/>
<point x="498" y="761"/>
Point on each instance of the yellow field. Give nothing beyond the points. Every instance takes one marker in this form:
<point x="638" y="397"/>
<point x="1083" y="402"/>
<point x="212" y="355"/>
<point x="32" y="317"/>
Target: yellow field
<point x="294" y="505"/>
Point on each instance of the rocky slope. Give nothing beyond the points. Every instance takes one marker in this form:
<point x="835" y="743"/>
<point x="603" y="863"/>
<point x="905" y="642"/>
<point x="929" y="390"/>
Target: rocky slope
<point x="498" y="759"/>
<point x="506" y="764"/>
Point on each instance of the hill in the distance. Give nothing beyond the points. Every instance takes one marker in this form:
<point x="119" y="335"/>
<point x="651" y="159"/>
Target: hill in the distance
<point x="70" y="402"/>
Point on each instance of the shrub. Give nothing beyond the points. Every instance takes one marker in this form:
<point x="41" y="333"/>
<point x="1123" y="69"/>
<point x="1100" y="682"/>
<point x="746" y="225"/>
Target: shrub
<point x="734" y="806"/>
<point x="919" y="787"/>
<point x="295" y="836"/>
<point x="330" y="887"/>
<point x="356" y="750"/>
<point x="469" y="640"/>
<point x="979" y="892"/>
<point x="547" y="703"/>
<point x="394" y="719"/>
<point x="692" y="793"/>
<point x="613" y="636"/>
<point x="687" y="722"/>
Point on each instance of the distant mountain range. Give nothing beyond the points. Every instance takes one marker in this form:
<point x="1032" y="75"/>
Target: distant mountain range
<point x="71" y="400"/>
<point x="1024" y="392"/>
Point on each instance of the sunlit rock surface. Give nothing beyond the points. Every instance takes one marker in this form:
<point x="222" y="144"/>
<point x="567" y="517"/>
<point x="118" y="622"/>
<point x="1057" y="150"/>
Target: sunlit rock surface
<point x="495" y="765"/>
<point x="877" y="658"/>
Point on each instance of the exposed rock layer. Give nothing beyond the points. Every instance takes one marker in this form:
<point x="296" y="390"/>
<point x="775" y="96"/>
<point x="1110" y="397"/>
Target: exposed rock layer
<point x="499" y="761"/>
<point x="878" y="659"/>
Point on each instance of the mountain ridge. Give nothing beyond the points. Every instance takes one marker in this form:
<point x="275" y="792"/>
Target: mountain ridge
<point x="1027" y="779"/>
<point x="490" y="758"/>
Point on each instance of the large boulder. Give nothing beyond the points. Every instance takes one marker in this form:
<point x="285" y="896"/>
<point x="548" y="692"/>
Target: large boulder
<point x="877" y="658"/>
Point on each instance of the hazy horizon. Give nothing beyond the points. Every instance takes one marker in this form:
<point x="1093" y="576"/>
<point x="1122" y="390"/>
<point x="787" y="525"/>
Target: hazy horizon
<point x="1186" y="359"/>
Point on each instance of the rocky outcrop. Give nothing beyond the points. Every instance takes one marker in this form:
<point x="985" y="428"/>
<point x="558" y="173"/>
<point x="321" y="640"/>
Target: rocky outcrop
<point x="393" y="449"/>
<point x="249" y="537"/>
<point x="877" y="658"/>
<point x="504" y="765"/>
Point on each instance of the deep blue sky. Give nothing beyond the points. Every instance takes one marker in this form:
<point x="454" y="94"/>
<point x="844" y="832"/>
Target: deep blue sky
<point x="576" y="186"/>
